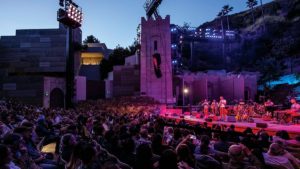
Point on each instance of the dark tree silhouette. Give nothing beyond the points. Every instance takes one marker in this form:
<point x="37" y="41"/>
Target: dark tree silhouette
<point x="226" y="10"/>
<point x="91" y="39"/>
<point x="251" y="4"/>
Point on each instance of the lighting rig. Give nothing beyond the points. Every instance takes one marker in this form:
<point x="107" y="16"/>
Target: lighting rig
<point x="70" y="14"/>
<point x="151" y="7"/>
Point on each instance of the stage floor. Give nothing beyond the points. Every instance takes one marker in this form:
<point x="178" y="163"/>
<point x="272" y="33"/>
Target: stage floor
<point x="273" y="126"/>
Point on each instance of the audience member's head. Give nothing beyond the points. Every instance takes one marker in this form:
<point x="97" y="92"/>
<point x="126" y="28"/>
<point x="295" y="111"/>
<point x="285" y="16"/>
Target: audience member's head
<point x="144" y="156"/>
<point x="88" y="154"/>
<point x="14" y="141"/>
<point x="204" y="144"/>
<point x="168" y="160"/>
<point x="236" y="153"/>
<point x="184" y="153"/>
<point x="24" y="131"/>
<point x="283" y="134"/>
<point x="276" y="149"/>
<point x="5" y="155"/>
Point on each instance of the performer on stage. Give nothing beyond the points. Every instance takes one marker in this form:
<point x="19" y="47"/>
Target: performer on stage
<point x="293" y="112"/>
<point x="240" y="110"/>
<point x="205" y="105"/>
<point x="214" y="107"/>
<point x="269" y="107"/>
<point x="222" y="105"/>
<point x="295" y="107"/>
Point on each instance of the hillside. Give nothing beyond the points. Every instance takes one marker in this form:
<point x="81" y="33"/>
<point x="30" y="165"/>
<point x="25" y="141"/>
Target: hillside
<point x="272" y="40"/>
<point x="270" y="45"/>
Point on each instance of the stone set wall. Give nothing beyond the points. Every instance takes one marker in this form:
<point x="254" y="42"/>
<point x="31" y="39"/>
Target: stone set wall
<point x="156" y="33"/>
<point x="211" y="86"/>
<point x="50" y="83"/>
<point x="28" y="57"/>
<point x="126" y="80"/>
<point x="28" y="89"/>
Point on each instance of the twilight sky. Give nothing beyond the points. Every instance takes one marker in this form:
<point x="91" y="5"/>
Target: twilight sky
<point x="111" y="21"/>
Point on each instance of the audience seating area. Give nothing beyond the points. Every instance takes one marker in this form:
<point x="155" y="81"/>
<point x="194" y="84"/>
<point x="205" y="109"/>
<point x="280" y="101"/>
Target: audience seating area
<point x="128" y="133"/>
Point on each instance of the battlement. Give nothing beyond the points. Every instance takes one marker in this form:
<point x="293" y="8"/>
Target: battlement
<point x="157" y="21"/>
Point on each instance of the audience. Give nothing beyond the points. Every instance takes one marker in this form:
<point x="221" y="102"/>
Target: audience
<point x="275" y="158"/>
<point x="242" y="158"/>
<point x="128" y="133"/>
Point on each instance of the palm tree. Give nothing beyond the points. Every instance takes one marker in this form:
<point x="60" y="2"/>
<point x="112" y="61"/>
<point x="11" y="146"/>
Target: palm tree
<point x="262" y="14"/>
<point x="226" y="10"/>
<point x="221" y="15"/>
<point x="251" y="4"/>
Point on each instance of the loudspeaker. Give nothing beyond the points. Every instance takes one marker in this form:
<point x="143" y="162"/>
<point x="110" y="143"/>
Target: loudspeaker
<point x="231" y="119"/>
<point x="262" y="125"/>
<point x="208" y="120"/>
<point x="251" y="120"/>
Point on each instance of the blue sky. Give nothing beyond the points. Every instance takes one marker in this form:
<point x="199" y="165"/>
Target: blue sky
<point x="111" y="21"/>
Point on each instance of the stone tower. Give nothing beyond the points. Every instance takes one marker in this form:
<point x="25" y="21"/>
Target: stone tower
<point x="156" y="69"/>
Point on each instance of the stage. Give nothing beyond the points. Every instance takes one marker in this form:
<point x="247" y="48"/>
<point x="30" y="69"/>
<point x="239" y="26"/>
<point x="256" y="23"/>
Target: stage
<point x="273" y="126"/>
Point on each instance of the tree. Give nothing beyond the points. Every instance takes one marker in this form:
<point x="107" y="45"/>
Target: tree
<point x="285" y="48"/>
<point x="262" y="14"/>
<point x="91" y="39"/>
<point x="137" y="40"/>
<point x="270" y="69"/>
<point x="105" y="68"/>
<point x="226" y="10"/>
<point x="221" y="15"/>
<point x="251" y="4"/>
<point x="185" y="27"/>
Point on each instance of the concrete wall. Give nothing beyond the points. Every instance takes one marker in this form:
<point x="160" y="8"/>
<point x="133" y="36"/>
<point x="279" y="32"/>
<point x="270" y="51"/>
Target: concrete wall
<point x="251" y="85"/>
<point x="199" y="89"/>
<point x="80" y="88"/>
<point x="132" y="60"/>
<point x="109" y="85"/>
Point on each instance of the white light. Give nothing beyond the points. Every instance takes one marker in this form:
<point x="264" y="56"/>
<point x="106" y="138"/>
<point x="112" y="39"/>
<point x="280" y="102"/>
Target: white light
<point x="186" y="90"/>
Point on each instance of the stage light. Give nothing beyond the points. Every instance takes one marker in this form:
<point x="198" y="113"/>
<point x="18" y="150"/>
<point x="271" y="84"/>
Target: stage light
<point x="186" y="91"/>
<point x="72" y="15"/>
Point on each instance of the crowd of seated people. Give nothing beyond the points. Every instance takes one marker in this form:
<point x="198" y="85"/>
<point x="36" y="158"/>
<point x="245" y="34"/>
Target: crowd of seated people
<point x="127" y="133"/>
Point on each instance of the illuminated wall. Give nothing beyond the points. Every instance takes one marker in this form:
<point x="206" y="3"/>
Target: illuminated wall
<point x="91" y="58"/>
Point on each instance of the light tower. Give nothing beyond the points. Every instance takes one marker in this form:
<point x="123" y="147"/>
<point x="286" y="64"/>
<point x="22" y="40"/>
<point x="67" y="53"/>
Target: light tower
<point x="151" y="7"/>
<point x="70" y="14"/>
